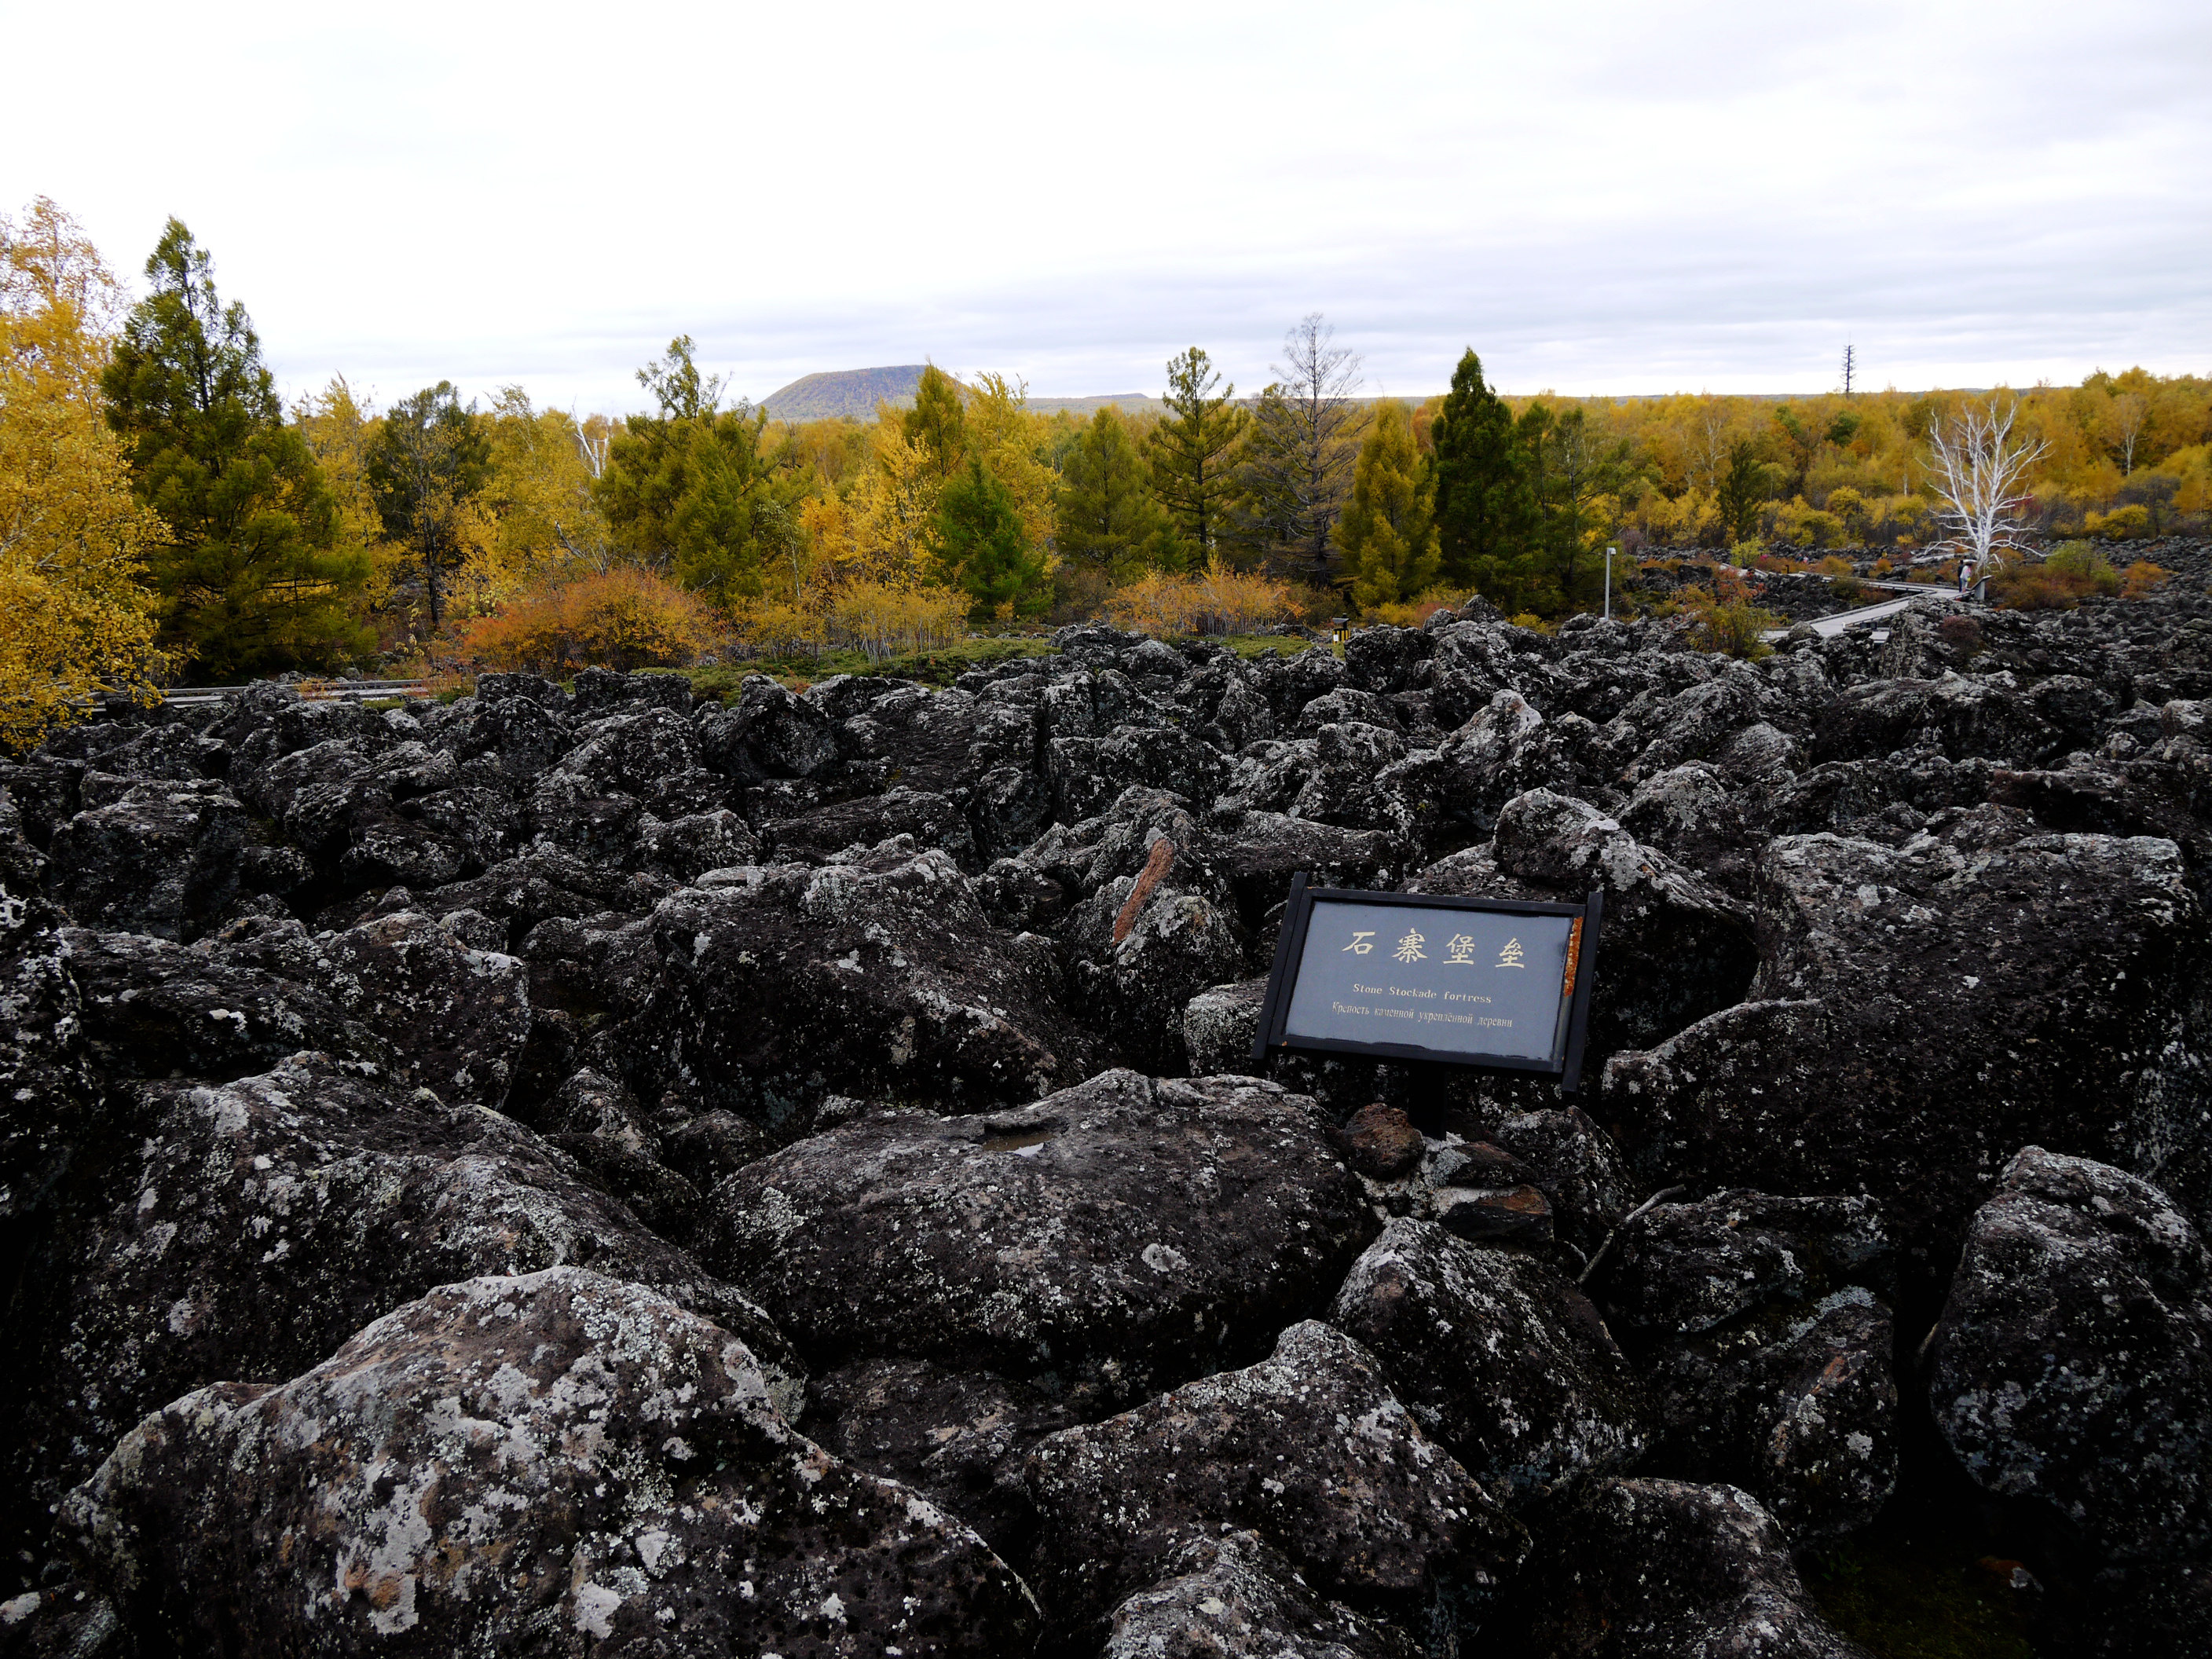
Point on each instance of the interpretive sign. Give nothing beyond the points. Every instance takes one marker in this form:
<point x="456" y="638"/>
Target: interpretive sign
<point x="1502" y="984"/>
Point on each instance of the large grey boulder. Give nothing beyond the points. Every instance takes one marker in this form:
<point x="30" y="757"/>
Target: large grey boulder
<point x="1498" y="1355"/>
<point x="555" y="1463"/>
<point x="1922" y="1009"/>
<point x="877" y="978"/>
<point x="161" y="858"/>
<point x="1308" y="1449"/>
<point x="1763" y="1328"/>
<point x="244" y="1230"/>
<point x="1116" y="1237"/>
<point x="1665" y="1570"/>
<point x="2073" y="1363"/>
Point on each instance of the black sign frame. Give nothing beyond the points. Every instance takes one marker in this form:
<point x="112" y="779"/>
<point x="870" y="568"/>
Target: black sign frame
<point x="1290" y="953"/>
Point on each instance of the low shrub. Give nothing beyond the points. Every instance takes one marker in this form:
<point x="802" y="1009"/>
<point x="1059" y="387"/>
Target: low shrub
<point x="2070" y="572"/>
<point x="2122" y="524"/>
<point x="2143" y="577"/>
<point x="1218" y="600"/>
<point x="623" y="620"/>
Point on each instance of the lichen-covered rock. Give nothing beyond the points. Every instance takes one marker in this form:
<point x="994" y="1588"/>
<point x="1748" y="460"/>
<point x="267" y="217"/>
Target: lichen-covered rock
<point x="163" y="859"/>
<point x="878" y="978"/>
<point x="2073" y="1363"/>
<point x="48" y="1090"/>
<point x="152" y="1008"/>
<point x="1235" y="1597"/>
<point x="248" y="1229"/>
<point x="1498" y="1355"/>
<point x="957" y="1437"/>
<point x="1310" y="1448"/>
<point x="1656" y="1569"/>
<point x="555" y="1463"/>
<point x="458" y="1017"/>
<point x="1924" y="1009"/>
<point x="1115" y="1238"/>
<point x="1763" y="1329"/>
<point x="1671" y="948"/>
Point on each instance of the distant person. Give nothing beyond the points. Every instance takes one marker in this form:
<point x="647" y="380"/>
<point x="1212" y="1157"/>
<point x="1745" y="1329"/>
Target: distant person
<point x="1965" y="576"/>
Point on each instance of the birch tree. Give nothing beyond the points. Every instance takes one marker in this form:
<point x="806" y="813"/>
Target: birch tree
<point x="1978" y="469"/>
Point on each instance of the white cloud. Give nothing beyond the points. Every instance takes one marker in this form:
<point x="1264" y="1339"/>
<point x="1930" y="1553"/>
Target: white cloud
<point x="1609" y="197"/>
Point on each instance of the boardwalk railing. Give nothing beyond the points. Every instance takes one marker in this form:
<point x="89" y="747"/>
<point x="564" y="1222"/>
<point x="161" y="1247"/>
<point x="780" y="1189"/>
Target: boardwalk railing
<point x="314" y="690"/>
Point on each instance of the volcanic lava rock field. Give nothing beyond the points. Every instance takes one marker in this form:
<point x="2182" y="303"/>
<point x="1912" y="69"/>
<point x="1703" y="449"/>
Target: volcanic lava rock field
<point x="578" y="1171"/>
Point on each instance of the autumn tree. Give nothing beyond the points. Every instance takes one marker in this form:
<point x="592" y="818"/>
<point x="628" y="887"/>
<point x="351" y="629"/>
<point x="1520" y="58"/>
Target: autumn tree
<point x="341" y="430"/>
<point x="937" y="425"/>
<point x="1297" y="463"/>
<point x="1190" y="450"/>
<point x="1104" y="512"/>
<point x="1388" y="532"/>
<point x="73" y="538"/>
<point x="985" y="550"/>
<point x="544" y="463"/>
<point x="257" y="575"/>
<point x="1573" y="470"/>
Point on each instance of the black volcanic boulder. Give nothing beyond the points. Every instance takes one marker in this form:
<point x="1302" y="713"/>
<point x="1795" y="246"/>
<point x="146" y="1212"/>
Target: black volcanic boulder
<point x="457" y="1017"/>
<point x="247" y="1228"/>
<point x="553" y="1463"/>
<point x="152" y="1008"/>
<point x="48" y="1089"/>
<point x="1924" y="1009"/>
<point x="1664" y="1570"/>
<point x="2073" y="1363"/>
<point x="163" y="858"/>
<point x="957" y="1437"/>
<point x="1498" y="1357"/>
<point x="1115" y="1238"/>
<point x="1311" y="1450"/>
<point x="879" y="979"/>
<point x="1762" y="1327"/>
<point x="1671" y="949"/>
<point x="1235" y="1595"/>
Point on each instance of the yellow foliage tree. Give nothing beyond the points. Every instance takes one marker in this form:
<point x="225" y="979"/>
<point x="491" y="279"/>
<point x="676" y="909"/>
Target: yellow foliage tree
<point x="73" y="540"/>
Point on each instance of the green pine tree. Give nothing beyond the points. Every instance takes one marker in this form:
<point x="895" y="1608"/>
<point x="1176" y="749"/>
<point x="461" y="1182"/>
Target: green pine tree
<point x="689" y="489"/>
<point x="1388" y="533"/>
<point x="260" y="577"/>
<point x="984" y="549"/>
<point x="1104" y="512"/>
<point x="429" y="456"/>
<point x="1191" y="451"/>
<point x="1484" y="505"/>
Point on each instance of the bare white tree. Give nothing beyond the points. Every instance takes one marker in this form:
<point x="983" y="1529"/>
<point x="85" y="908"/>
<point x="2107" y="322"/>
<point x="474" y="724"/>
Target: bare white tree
<point x="1977" y="471"/>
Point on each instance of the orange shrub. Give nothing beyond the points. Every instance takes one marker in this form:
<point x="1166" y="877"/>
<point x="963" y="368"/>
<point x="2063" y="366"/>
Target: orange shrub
<point x="625" y="619"/>
<point x="2143" y="577"/>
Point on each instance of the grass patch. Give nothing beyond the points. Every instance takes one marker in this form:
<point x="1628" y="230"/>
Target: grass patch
<point x="1902" y="1601"/>
<point x="1248" y="646"/>
<point x="940" y="667"/>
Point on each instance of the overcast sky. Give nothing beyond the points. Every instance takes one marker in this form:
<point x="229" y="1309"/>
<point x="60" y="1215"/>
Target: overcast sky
<point x="1598" y="198"/>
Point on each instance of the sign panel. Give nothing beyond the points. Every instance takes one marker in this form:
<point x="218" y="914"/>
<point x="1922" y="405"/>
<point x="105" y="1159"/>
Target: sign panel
<point x="1502" y="984"/>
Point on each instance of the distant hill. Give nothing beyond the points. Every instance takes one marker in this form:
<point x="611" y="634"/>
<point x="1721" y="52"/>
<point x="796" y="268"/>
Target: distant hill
<point x="854" y="393"/>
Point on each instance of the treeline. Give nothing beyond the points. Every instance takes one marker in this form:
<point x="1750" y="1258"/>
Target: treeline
<point x="164" y="514"/>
